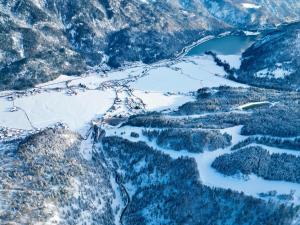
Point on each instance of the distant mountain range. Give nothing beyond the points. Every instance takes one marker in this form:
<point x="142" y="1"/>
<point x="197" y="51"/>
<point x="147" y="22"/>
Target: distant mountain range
<point x="40" y="40"/>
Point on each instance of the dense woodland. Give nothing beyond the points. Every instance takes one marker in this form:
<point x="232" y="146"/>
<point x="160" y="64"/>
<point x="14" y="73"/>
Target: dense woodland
<point x="192" y="140"/>
<point x="168" y="191"/>
<point x="259" y="161"/>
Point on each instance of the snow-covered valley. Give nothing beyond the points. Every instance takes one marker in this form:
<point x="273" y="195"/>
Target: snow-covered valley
<point x="76" y="101"/>
<point x="171" y="96"/>
<point x="250" y="185"/>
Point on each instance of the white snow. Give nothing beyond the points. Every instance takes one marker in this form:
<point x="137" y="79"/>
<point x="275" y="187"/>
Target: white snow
<point x="75" y="186"/>
<point x="86" y="148"/>
<point x="117" y="203"/>
<point x="53" y="210"/>
<point x="94" y="79"/>
<point x="251" y="33"/>
<point x="275" y="150"/>
<point x="277" y="73"/>
<point x="250" y="5"/>
<point x="185" y="76"/>
<point x="58" y="82"/>
<point x="157" y="101"/>
<point x="241" y="107"/>
<point x="18" y="43"/>
<point x="253" y="185"/>
<point x="164" y="85"/>
<point x="280" y="73"/>
<point x="12" y="119"/>
<point x="39" y="3"/>
<point x="233" y="60"/>
<point x="50" y="107"/>
<point x="262" y="73"/>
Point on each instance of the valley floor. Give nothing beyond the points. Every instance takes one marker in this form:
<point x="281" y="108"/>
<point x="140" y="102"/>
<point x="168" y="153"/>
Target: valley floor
<point x="80" y="103"/>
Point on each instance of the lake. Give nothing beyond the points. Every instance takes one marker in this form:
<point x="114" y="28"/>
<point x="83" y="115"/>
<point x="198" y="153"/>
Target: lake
<point x="226" y="45"/>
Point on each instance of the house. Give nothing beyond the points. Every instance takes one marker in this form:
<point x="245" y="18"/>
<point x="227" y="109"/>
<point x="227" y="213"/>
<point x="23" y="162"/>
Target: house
<point x="13" y="109"/>
<point x="10" y="98"/>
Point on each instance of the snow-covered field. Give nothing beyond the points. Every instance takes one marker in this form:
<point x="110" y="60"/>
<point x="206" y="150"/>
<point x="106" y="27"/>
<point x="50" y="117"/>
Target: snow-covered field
<point x="59" y="82"/>
<point x="252" y="104"/>
<point x="278" y="73"/>
<point x="250" y="185"/>
<point x="157" y="101"/>
<point x="161" y="86"/>
<point x="187" y="75"/>
<point x="77" y="100"/>
<point x="250" y="5"/>
<point x="47" y="108"/>
<point x="233" y="60"/>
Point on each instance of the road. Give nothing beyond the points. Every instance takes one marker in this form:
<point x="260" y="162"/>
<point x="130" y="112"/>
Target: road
<point x="123" y="189"/>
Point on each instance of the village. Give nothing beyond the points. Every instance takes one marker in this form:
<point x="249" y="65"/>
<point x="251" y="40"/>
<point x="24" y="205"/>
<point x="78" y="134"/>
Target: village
<point x="125" y="102"/>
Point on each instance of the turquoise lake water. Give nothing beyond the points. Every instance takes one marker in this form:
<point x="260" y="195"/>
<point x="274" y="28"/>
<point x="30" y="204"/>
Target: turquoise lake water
<point x="227" y="45"/>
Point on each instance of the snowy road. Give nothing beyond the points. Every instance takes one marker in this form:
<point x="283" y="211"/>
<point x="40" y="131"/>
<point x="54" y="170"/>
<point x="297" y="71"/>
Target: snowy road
<point x="250" y="185"/>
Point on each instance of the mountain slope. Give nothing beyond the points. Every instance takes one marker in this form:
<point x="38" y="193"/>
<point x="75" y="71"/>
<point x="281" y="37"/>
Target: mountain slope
<point x="45" y="180"/>
<point x="273" y="61"/>
<point x="43" y="39"/>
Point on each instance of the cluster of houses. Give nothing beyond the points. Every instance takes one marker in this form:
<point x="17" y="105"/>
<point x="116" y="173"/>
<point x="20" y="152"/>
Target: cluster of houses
<point x="7" y="133"/>
<point x="10" y="133"/>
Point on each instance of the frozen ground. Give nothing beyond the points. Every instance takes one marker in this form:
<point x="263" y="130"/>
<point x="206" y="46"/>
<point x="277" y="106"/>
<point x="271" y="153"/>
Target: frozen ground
<point x="233" y="60"/>
<point x="250" y="185"/>
<point x="187" y="75"/>
<point x="250" y="5"/>
<point x="134" y="89"/>
<point x="157" y="101"/>
<point x="162" y="86"/>
<point x="278" y="73"/>
<point x="252" y="104"/>
<point x="58" y="82"/>
<point x="47" y="108"/>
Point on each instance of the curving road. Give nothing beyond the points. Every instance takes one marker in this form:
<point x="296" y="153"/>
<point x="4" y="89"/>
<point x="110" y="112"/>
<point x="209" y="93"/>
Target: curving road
<point x="123" y="189"/>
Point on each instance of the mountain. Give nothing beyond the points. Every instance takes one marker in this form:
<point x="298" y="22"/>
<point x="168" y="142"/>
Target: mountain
<point x="41" y="40"/>
<point x="273" y="61"/>
<point x="58" y="186"/>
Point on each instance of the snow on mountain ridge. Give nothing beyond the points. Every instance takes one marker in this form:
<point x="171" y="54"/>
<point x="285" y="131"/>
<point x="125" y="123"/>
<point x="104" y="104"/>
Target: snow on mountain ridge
<point x="57" y="34"/>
